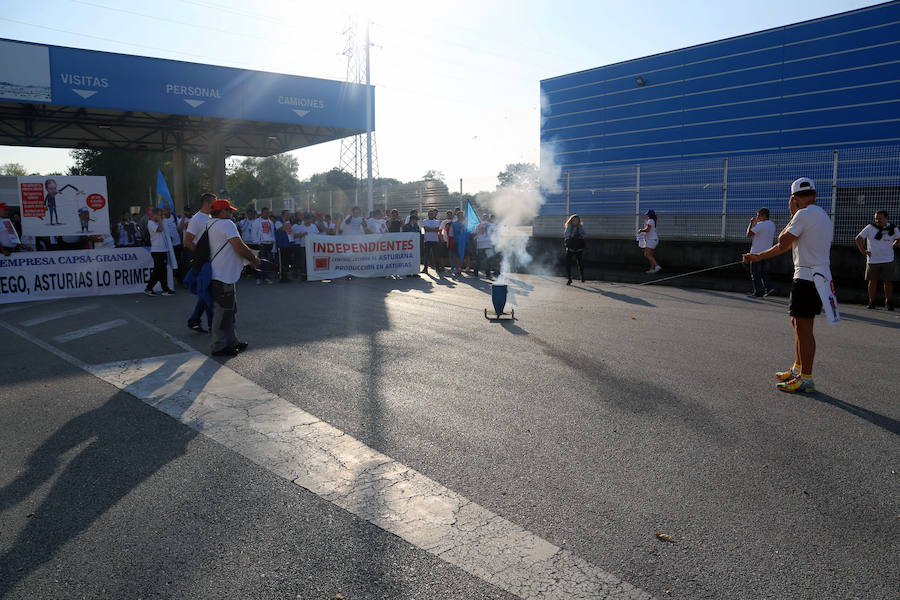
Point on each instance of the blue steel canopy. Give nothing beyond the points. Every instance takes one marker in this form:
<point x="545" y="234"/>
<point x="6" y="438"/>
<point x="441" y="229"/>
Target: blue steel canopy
<point x="65" y="97"/>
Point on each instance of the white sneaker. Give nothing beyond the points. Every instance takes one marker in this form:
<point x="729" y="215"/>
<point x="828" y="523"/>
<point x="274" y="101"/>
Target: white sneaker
<point x="649" y="272"/>
<point x="258" y="282"/>
<point x="657" y="269"/>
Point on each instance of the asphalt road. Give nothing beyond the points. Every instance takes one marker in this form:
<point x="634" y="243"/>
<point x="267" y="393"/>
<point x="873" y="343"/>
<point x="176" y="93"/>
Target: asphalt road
<point x="603" y="414"/>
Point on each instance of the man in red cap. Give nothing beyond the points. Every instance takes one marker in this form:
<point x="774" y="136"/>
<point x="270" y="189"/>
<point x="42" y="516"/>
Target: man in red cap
<point x="228" y="254"/>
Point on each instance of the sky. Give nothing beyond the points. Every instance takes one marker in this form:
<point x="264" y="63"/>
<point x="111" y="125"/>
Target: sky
<point x="456" y="82"/>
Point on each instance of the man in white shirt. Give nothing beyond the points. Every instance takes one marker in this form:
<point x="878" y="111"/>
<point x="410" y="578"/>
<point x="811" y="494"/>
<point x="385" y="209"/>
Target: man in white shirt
<point x="808" y="236"/>
<point x="376" y="224"/>
<point x="355" y="223"/>
<point x="881" y="238"/>
<point x="263" y="230"/>
<point x="432" y="227"/>
<point x="160" y="254"/>
<point x="171" y="224"/>
<point x="762" y="231"/>
<point x="302" y="231"/>
<point x="192" y="233"/>
<point x="484" y="246"/>
<point x="228" y="252"/>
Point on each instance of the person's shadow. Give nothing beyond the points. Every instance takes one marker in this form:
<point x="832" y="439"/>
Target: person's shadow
<point x="120" y="444"/>
<point x="887" y="423"/>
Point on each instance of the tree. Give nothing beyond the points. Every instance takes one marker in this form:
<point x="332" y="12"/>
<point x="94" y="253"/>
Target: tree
<point x="269" y="177"/>
<point x="14" y="169"/>
<point x="130" y="175"/>
<point x="433" y="175"/>
<point x="519" y="174"/>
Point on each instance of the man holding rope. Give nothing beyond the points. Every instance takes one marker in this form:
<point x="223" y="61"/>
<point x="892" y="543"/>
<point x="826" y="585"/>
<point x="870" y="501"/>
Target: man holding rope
<point x="809" y="235"/>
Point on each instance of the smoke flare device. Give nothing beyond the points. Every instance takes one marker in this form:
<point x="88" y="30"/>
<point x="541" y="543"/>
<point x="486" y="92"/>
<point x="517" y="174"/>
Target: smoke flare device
<point x="498" y="299"/>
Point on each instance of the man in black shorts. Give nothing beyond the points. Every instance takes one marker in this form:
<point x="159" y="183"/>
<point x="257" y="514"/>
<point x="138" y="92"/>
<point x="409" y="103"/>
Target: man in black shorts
<point x="809" y="236"/>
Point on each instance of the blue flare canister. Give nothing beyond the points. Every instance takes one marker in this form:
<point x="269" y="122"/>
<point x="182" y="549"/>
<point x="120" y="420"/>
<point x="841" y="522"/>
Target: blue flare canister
<point x="498" y="297"/>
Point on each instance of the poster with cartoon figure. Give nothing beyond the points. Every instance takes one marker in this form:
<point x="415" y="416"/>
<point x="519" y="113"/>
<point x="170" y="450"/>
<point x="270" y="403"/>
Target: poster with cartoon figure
<point x="63" y="205"/>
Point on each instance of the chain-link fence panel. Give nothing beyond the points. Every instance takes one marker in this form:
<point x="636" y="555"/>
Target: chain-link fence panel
<point x="715" y="198"/>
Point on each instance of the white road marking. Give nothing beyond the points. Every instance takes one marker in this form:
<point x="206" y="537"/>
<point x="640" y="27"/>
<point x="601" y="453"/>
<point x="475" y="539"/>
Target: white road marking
<point x="60" y="315"/>
<point x="291" y="443"/>
<point x="235" y="412"/>
<point x="17" y="307"/>
<point x="80" y="333"/>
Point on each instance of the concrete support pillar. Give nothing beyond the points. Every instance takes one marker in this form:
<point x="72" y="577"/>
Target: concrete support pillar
<point x="179" y="179"/>
<point x="217" y="166"/>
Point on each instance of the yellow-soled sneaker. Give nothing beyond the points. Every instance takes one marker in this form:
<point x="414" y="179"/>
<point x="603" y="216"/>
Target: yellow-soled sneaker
<point x="785" y="375"/>
<point x="798" y="385"/>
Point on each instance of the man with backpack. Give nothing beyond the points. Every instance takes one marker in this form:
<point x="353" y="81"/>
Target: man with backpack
<point x="194" y="230"/>
<point x="227" y="255"/>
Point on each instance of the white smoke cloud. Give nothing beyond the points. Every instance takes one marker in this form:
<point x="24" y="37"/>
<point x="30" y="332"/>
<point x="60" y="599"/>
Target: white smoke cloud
<point x="516" y="205"/>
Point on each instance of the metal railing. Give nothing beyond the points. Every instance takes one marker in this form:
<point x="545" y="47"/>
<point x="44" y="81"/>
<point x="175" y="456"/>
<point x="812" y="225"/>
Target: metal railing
<point x="713" y="199"/>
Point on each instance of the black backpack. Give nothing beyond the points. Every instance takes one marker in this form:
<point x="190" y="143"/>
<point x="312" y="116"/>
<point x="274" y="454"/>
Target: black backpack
<point x="202" y="251"/>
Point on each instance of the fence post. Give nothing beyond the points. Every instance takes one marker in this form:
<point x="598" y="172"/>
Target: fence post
<point x="834" y="185"/>
<point x="567" y="194"/>
<point x="637" y="197"/>
<point x="724" y="194"/>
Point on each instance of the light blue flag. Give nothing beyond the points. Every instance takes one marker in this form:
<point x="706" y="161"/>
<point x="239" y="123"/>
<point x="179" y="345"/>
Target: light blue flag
<point x="471" y="218"/>
<point x="163" y="197"/>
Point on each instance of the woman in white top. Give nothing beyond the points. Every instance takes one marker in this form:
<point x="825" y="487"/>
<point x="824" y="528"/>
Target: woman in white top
<point x="649" y="240"/>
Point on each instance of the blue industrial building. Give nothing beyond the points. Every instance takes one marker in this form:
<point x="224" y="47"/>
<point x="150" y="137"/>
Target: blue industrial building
<point x="716" y="130"/>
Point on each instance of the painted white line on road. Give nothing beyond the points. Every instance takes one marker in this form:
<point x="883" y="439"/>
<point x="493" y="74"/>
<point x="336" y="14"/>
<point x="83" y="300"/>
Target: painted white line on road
<point x="60" y="315"/>
<point x="17" y="307"/>
<point x="270" y="431"/>
<point x="93" y="329"/>
<point x="51" y="349"/>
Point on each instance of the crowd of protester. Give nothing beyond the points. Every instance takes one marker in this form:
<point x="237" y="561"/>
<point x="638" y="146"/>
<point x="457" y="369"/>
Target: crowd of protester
<point x="280" y="239"/>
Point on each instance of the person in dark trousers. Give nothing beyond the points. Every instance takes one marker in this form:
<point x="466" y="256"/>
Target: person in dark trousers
<point x="413" y="227"/>
<point x="574" y="242"/>
<point x="159" y="253"/>
<point x="762" y="231"/>
<point x="229" y="253"/>
<point x="195" y="228"/>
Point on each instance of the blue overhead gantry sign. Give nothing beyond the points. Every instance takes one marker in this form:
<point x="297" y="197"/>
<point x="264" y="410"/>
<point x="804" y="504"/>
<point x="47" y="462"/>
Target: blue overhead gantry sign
<point x="102" y="80"/>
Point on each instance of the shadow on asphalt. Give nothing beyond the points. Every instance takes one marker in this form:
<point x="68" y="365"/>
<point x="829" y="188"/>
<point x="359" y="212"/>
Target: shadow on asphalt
<point x="115" y="455"/>
<point x="886" y="423"/>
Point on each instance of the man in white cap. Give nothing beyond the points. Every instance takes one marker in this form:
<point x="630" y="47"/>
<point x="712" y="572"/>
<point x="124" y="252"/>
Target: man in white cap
<point x="809" y="235"/>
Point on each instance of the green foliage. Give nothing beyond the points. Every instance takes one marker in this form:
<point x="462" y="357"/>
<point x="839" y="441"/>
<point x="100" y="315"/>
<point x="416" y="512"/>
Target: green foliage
<point x="433" y="175"/>
<point x="519" y="174"/>
<point x="14" y="169"/>
<point x="130" y="176"/>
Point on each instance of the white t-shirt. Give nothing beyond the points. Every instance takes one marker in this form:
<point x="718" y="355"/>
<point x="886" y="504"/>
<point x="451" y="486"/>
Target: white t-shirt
<point x="197" y="224"/>
<point x="651" y="236"/>
<point x="484" y="231"/>
<point x="157" y="242"/>
<point x="251" y="231"/>
<point x="354" y="227"/>
<point x="431" y="236"/>
<point x="227" y="264"/>
<point x="9" y="237"/>
<point x="763" y="236"/>
<point x="266" y="231"/>
<point x="376" y="225"/>
<point x="882" y="250"/>
<point x="812" y="248"/>
<point x="310" y="229"/>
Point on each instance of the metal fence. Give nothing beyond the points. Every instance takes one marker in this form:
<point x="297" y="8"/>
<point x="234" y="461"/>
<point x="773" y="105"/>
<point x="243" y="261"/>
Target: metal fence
<point x="713" y="199"/>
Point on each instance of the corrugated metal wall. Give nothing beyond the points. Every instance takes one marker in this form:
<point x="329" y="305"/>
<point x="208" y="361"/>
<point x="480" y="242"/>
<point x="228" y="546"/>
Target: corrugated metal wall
<point x="804" y="90"/>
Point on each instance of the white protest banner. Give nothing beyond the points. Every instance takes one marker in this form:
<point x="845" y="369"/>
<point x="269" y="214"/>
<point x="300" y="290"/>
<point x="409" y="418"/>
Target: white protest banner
<point x="63" y="205"/>
<point x="47" y="275"/>
<point x="375" y="255"/>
